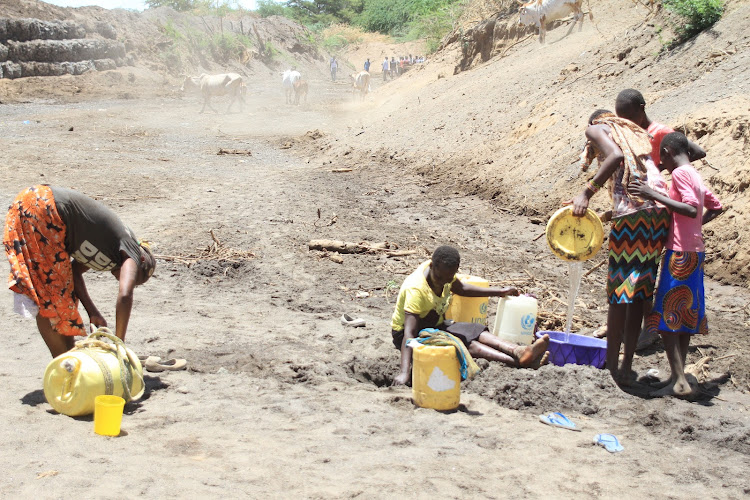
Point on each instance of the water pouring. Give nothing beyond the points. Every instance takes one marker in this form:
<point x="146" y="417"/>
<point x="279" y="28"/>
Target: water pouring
<point x="575" y="240"/>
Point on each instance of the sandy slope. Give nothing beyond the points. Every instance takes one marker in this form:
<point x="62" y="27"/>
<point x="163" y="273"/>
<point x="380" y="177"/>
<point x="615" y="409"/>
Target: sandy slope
<point x="510" y="129"/>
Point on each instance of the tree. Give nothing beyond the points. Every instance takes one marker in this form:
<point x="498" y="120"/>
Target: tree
<point x="179" y="5"/>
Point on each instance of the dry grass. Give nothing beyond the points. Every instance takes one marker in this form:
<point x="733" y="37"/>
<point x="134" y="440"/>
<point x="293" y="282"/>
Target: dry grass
<point x="215" y="251"/>
<point x="354" y="34"/>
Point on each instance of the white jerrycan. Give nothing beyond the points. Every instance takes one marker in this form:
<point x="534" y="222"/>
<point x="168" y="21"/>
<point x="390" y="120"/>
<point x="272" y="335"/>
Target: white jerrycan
<point x="515" y="319"/>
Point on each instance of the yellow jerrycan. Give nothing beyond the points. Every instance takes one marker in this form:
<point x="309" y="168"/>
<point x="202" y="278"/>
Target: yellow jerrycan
<point x="436" y="377"/>
<point x="469" y="309"/>
<point x="98" y="365"/>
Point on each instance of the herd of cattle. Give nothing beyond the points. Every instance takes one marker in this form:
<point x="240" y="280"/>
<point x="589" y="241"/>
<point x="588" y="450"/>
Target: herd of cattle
<point x="536" y="12"/>
<point x="231" y="84"/>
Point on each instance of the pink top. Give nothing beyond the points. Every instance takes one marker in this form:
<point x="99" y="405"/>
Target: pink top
<point x="685" y="234"/>
<point x="656" y="132"/>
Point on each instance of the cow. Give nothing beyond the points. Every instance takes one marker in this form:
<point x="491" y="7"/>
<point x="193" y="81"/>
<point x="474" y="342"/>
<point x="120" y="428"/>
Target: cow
<point x="288" y="78"/>
<point x="230" y="84"/>
<point x="361" y="83"/>
<point x="300" y="90"/>
<point x="541" y="12"/>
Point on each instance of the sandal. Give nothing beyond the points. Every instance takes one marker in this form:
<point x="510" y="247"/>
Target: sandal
<point x="155" y="364"/>
<point x="348" y="320"/>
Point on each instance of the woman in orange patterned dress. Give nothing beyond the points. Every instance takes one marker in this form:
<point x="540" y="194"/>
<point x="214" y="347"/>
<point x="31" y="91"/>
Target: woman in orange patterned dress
<point x="52" y="237"/>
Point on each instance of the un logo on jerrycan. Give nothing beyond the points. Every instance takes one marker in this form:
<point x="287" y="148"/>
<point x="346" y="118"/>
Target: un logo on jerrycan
<point x="469" y="309"/>
<point x="515" y="319"/>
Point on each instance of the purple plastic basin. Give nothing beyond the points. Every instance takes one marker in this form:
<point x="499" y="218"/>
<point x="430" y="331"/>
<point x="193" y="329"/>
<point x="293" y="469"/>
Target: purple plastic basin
<point x="578" y="350"/>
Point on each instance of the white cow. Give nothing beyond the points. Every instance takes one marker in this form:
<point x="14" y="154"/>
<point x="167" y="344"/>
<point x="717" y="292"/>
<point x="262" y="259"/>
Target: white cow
<point x="217" y="85"/>
<point x="288" y="79"/>
<point x="541" y="12"/>
<point x="361" y="83"/>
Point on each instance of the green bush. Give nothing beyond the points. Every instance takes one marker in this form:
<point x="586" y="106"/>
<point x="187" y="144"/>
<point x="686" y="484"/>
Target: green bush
<point x="170" y="31"/>
<point x="411" y="19"/>
<point x="229" y="46"/>
<point x="697" y="15"/>
<point x="268" y="8"/>
<point x="435" y="25"/>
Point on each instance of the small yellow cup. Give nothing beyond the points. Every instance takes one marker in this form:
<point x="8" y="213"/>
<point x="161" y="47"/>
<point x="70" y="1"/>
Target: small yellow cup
<point x="108" y="415"/>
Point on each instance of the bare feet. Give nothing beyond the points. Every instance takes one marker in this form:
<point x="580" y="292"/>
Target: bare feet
<point x="402" y="379"/>
<point x="678" y="389"/>
<point x="660" y="384"/>
<point x="527" y="355"/>
<point x="541" y="361"/>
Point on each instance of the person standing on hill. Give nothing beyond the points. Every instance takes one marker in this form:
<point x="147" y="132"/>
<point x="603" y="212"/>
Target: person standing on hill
<point x="386" y="68"/>
<point x="52" y="237"/>
<point x="367" y="65"/>
<point x="334" y="68"/>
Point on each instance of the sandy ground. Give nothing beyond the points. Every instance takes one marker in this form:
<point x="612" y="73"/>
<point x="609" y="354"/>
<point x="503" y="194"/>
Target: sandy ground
<point x="280" y="399"/>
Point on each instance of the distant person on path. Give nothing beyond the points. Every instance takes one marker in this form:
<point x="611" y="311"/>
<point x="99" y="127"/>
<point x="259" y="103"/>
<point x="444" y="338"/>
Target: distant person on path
<point x="679" y="307"/>
<point x="394" y="67"/>
<point x="422" y="301"/>
<point x="639" y="228"/>
<point x="367" y="65"/>
<point x="52" y="236"/>
<point x="386" y="69"/>
<point x="334" y="68"/>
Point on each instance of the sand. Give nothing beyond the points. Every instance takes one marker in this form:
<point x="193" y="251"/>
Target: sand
<point x="280" y="399"/>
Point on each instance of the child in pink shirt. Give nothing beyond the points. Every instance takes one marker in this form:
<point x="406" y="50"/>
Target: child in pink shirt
<point x="679" y="306"/>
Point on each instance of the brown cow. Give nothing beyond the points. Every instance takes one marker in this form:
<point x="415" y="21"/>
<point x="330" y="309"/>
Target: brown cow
<point x="300" y="90"/>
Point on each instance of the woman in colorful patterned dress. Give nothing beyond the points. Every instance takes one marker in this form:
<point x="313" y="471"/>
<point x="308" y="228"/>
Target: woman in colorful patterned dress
<point x="680" y="307"/>
<point x="639" y="228"/>
<point x="52" y="237"/>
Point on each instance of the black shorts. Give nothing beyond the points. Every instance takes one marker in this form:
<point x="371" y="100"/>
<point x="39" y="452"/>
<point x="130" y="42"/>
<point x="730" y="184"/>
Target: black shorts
<point x="465" y="332"/>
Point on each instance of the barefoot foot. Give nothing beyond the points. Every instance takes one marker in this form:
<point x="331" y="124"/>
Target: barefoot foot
<point x="660" y="384"/>
<point x="667" y="390"/>
<point x="526" y="355"/>
<point x="540" y="361"/>
<point x="682" y="389"/>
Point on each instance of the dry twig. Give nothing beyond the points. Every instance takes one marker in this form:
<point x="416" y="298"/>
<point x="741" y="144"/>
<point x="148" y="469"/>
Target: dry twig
<point x="215" y="251"/>
<point x="596" y="267"/>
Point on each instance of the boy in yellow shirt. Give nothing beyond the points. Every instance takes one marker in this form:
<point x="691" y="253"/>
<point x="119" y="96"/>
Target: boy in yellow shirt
<point x="422" y="301"/>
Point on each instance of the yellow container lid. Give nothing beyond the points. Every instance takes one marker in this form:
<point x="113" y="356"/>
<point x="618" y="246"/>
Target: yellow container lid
<point x="574" y="238"/>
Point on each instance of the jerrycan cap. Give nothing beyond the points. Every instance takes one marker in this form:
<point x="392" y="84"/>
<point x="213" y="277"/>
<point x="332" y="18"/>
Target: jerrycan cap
<point x="574" y="238"/>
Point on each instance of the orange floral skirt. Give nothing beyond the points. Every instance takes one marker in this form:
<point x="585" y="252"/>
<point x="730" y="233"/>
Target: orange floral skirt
<point x="40" y="268"/>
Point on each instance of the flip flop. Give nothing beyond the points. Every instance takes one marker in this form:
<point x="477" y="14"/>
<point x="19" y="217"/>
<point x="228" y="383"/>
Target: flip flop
<point x="347" y="320"/>
<point x="557" y="419"/>
<point x="154" y="364"/>
<point x="609" y="442"/>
